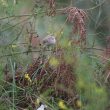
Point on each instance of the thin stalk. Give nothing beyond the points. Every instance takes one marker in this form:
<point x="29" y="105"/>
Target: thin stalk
<point x="13" y="86"/>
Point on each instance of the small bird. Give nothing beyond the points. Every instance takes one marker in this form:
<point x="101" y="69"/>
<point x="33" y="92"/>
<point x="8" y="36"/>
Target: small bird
<point x="49" y="40"/>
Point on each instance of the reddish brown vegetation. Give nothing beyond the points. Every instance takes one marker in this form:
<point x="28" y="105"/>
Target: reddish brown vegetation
<point x="77" y="17"/>
<point x="61" y="80"/>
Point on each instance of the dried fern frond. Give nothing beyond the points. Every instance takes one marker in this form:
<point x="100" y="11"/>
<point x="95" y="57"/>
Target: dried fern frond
<point x="78" y="17"/>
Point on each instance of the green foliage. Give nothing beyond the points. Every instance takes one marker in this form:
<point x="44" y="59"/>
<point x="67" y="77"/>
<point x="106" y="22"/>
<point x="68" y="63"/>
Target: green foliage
<point x="93" y="95"/>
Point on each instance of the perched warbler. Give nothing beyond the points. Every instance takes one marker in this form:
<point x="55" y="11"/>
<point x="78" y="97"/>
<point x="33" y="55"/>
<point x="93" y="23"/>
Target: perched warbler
<point x="49" y="40"/>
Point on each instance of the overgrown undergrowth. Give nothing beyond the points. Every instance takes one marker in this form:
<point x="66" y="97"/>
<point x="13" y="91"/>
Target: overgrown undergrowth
<point x="62" y="70"/>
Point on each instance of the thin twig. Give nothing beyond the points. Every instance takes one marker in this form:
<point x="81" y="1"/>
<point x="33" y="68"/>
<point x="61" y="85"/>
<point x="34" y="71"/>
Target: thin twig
<point x="16" y="16"/>
<point x="89" y="9"/>
<point x="14" y="25"/>
<point x="108" y="75"/>
<point x="17" y="53"/>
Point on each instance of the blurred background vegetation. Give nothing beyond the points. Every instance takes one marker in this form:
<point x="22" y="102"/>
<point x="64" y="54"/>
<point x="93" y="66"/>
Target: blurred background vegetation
<point x="77" y="75"/>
